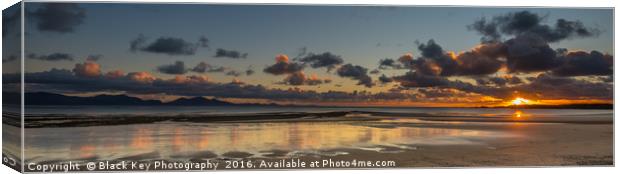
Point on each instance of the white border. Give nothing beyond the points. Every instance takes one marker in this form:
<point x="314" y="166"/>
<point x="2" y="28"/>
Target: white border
<point x="496" y="3"/>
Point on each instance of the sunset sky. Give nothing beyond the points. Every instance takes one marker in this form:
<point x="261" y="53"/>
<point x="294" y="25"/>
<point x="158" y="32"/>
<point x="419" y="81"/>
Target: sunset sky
<point x="330" y="55"/>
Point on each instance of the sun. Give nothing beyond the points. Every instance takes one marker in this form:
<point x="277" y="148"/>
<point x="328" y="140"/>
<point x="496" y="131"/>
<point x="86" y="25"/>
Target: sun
<point x="520" y="101"/>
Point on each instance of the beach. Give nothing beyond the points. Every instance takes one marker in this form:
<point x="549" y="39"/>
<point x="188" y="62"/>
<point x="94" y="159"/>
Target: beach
<point x="433" y="139"/>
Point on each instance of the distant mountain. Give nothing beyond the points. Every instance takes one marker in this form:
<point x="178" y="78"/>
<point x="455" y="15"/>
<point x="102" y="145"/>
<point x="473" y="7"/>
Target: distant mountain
<point x="198" y="101"/>
<point x="44" y="98"/>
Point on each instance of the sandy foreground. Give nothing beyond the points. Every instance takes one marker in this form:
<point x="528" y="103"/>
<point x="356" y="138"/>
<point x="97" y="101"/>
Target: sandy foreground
<point x="535" y="144"/>
<point x="570" y="141"/>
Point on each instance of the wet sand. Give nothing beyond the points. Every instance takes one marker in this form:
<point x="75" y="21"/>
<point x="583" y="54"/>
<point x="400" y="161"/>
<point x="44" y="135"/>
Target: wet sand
<point x="536" y="145"/>
<point x="533" y="141"/>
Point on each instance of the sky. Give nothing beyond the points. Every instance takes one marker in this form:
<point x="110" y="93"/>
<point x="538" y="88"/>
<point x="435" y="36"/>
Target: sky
<point x="332" y="55"/>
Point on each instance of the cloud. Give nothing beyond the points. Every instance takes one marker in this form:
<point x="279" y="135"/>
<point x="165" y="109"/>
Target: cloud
<point x="283" y="66"/>
<point x="406" y="59"/>
<point x="528" y="23"/>
<point x="521" y="54"/>
<point x="115" y="74"/>
<point x="417" y="80"/>
<point x="233" y="73"/>
<point x="94" y="57"/>
<point x="87" y="69"/>
<point x="581" y="63"/>
<point x="192" y="79"/>
<point x="499" y="81"/>
<point x="374" y="71"/>
<point x="477" y="62"/>
<point x="177" y="67"/>
<point x="389" y="63"/>
<point x="435" y="60"/>
<point x="203" y="42"/>
<point x="249" y="72"/>
<point x="299" y="78"/>
<point x="529" y="54"/>
<point x="356" y="72"/>
<point x="167" y="45"/>
<point x="58" y="17"/>
<point x="142" y="77"/>
<point x="385" y="79"/>
<point x="326" y="59"/>
<point x="52" y="57"/>
<point x="544" y="86"/>
<point x="230" y="54"/>
<point x="58" y="80"/>
<point x="204" y="67"/>
<point x="553" y="87"/>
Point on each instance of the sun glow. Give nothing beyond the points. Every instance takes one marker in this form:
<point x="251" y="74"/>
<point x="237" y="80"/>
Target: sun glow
<point x="520" y="101"/>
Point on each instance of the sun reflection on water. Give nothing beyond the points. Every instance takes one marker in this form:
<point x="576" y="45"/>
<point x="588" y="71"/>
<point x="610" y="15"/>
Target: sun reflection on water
<point x="170" y="139"/>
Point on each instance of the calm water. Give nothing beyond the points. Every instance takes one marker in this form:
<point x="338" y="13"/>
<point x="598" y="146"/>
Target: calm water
<point x="104" y="110"/>
<point x="185" y="141"/>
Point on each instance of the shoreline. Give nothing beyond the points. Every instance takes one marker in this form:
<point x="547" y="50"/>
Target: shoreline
<point x="60" y="120"/>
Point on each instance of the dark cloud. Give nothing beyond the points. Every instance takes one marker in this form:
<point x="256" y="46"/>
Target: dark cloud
<point x="499" y="81"/>
<point x="374" y="71"/>
<point x="477" y="62"/>
<point x="203" y="42"/>
<point x="528" y="23"/>
<point x="389" y="63"/>
<point x="356" y="72"/>
<point x="528" y="50"/>
<point x="543" y="86"/>
<point x="167" y="45"/>
<point x="204" y="67"/>
<point x="137" y="43"/>
<point x="52" y="57"/>
<point x="177" y="67"/>
<point x="552" y="87"/>
<point x="435" y="61"/>
<point x="283" y="66"/>
<point x="249" y="72"/>
<point x="230" y="54"/>
<point x="431" y="49"/>
<point x="520" y="54"/>
<point x="171" y="46"/>
<point x="417" y="80"/>
<point x="94" y="57"/>
<point x="326" y="59"/>
<point x="482" y="60"/>
<point x="385" y="79"/>
<point x="582" y="63"/>
<point x="299" y="78"/>
<point x="233" y="73"/>
<point x="529" y="54"/>
<point x="58" y="17"/>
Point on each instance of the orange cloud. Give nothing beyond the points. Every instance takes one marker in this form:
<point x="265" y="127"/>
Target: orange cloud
<point x="407" y="57"/>
<point x="180" y="79"/>
<point x="142" y="77"/>
<point x="282" y="58"/>
<point x="87" y="69"/>
<point x="115" y="74"/>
